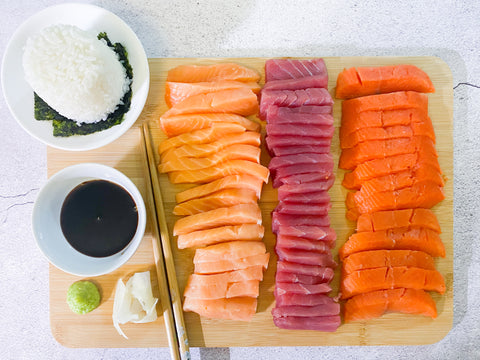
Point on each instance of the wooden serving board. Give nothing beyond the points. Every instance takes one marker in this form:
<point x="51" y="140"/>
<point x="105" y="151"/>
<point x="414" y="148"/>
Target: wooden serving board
<point x="96" y="330"/>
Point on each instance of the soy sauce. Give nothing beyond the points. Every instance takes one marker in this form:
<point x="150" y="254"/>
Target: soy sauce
<point x="99" y="218"/>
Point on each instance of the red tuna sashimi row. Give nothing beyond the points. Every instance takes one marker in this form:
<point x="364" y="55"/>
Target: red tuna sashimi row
<point x="299" y="130"/>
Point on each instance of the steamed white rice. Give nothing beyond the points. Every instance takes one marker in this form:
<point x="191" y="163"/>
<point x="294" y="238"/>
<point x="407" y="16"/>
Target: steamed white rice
<point x="75" y="73"/>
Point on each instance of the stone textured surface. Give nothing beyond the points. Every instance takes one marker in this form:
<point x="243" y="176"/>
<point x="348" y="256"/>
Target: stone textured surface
<point x="448" y="29"/>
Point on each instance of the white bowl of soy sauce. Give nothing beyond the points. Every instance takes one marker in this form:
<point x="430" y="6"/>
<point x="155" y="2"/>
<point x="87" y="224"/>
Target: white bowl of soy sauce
<point x="89" y="219"/>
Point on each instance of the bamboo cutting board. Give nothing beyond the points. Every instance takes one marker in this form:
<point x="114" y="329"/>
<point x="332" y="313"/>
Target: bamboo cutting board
<point x="96" y="330"/>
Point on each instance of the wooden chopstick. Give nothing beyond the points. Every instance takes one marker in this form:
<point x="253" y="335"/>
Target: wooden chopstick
<point x="176" y="300"/>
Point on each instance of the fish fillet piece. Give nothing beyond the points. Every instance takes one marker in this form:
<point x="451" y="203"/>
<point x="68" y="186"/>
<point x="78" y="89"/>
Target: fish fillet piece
<point x="219" y="266"/>
<point x="201" y="73"/>
<point x="420" y="239"/>
<point x="202" y="150"/>
<point x="274" y="141"/>
<point x="288" y="160"/>
<point x="288" y="277"/>
<point x="311" y="115"/>
<point x="306" y="311"/>
<point x="362" y="81"/>
<point x="303" y="300"/>
<point x="239" y="308"/>
<point x="305" y="257"/>
<point x="207" y="135"/>
<point x="316" y="81"/>
<point x="180" y="124"/>
<point x="318" y="233"/>
<point x="319" y="323"/>
<point x="321" y="131"/>
<point x="374" y="304"/>
<point x="293" y="242"/>
<point x="391" y="219"/>
<point x="242" y="181"/>
<point x="220" y="199"/>
<point x="364" y="281"/>
<point x="387" y="258"/>
<point x="237" y="101"/>
<point x="399" y="100"/>
<point x="302" y="269"/>
<point x="282" y="69"/>
<point x="228" y="251"/>
<point x="232" y="152"/>
<point x="233" y="215"/>
<point x="244" y="232"/>
<point x="293" y="220"/>
<point x="230" y="167"/>
<point x="176" y="92"/>
<point x="297" y="288"/>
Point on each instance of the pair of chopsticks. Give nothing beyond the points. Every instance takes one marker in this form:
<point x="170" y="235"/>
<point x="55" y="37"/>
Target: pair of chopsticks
<point x="167" y="279"/>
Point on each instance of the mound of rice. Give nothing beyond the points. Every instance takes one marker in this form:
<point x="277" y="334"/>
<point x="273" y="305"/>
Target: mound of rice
<point x="75" y="73"/>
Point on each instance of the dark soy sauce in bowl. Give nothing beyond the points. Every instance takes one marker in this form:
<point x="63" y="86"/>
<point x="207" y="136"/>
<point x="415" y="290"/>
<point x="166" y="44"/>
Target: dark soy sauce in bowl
<point x="99" y="218"/>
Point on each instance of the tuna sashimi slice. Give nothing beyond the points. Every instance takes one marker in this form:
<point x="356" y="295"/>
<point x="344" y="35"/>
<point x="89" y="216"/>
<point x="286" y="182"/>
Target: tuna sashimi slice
<point x="323" y="177"/>
<point x="321" y="209"/>
<point x="239" y="308"/>
<point x="293" y="220"/>
<point x="310" y="187"/>
<point x="228" y="251"/>
<point x="321" y="131"/>
<point x="316" y="81"/>
<point x="282" y="276"/>
<point x="220" y="266"/>
<point x="319" y="323"/>
<point x="222" y="71"/>
<point x="302" y="269"/>
<point x="306" y="311"/>
<point x="309" y="232"/>
<point x="300" y="115"/>
<point x="298" y="149"/>
<point x="303" y="300"/>
<point x="316" y="197"/>
<point x="292" y="242"/>
<point x="297" y="288"/>
<point x="288" y="160"/>
<point x="289" y="140"/>
<point x="281" y="69"/>
<point x="297" y="179"/>
<point x="305" y="257"/>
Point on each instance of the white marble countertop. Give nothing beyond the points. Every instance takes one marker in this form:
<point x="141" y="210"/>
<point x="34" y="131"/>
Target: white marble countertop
<point x="447" y="29"/>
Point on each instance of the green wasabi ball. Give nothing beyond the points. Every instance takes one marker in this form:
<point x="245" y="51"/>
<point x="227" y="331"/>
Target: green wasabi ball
<point x="83" y="297"/>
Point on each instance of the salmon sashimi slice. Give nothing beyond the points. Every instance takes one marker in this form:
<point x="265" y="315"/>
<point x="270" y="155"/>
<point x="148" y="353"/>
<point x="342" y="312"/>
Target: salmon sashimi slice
<point x="305" y="257"/>
<point x="387" y="258"/>
<point x="242" y="181"/>
<point x="202" y="73"/>
<point x="306" y="311"/>
<point x="297" y="288"/>
<point x="239" y="308"/>
<point x="399" y="100"/>
<point x="179" y="124"/>
<point x="248" y="288"/>
<point x="420" y="239"/>
<point x="202" y="150"/>
<point x="232" y="152"/>
<point x="176" y="92"/>
<point x="302" y="300"/>
<point x="207" y="135"/>
<point x="237" y="101"/>
<point x="233" y="215"/>
<point x="288" y="160"/>
<point x="219" y="266"/>
<point x="377" y="149"/>
<point x="283" y="69"/>
<point x="230" y="167"/>
<point x="374" y="304"/>
<point x="362" y="81"/>
<point x="228" y="251"/>
<point x="293" y="220"/>
<point x="316" y="81"/>
<point x="220" y="199"/>
<point x="288" y="277"/>
<point x="391" y="219"/>
<point x="319" y="323"/>
<point x="364" y="281"/>
<point x="301" y="269"/>
<point x="244" y="232"/>
<point x="293" y="242"/>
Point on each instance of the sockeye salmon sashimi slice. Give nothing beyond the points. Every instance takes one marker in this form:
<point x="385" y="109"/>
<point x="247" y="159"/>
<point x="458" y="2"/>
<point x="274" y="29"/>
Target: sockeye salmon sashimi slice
<point x="239" y="308"/>
<point x="374" y="304"/>
<point x="305" y="257"/>
<point x="293" y="220"/>
<point x="232" y="152"/>
<point x="180" y="124"/>
<point x="233" y="215"/>
<point x="318" y="233"/>
<point x="230" y="167"/>
<point x="306" y="311"/>
<point x="377" y="149"/>
<point x="321" y="209"/>
<point x="363" y="281"/>
<point x="228" y="251"/>
<point x="293" y="242"/>
<point x="419" y="239"/>
<point x="288" y="277"/>
<point x="303" y="300"/>
<point x="298" y="149"/>
<point x="202" y="73"/>
<point x="286" y="190"/>
<point x="219" y="266"/>
<point x="297" y="179"/>
<point x="282" y="69"/>
<point x="320" y="323"/>
<point x="391" y="219"/>
<point x="202" y="150"/>
<point x="300" y="115"/>
<point x="316" y="81"/>
<point x="399" y="100"/>
<point x="202" y="136"/>
<point x="240" y="101"/>
<point x="288" y="160"/>
<point x="302" y="269"/>
<point x="244" y="232"/>
<point x="220" y="199"/>
<point x="274" y="141"/>
<point x="176" y="92"/>
<point x="387" y="258"/>
<point x="242" y="181"/>
<point x="321" y="131"/>
<point x="297" y="288"/>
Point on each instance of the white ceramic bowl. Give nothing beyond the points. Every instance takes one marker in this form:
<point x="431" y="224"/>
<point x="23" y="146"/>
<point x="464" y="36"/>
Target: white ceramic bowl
<point x="46" y="220"/>
<point x="19" y="94"/>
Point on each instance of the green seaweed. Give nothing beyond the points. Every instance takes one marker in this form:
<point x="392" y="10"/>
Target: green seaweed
<point x="64" y="127"/>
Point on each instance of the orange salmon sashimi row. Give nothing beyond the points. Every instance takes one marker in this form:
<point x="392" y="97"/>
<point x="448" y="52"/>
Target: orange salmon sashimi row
<point x="214" y="146"/>
<point x="388" y="144"/>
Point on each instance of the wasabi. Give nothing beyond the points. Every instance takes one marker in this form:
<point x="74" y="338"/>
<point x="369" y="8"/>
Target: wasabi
<point x="83" y="297"/>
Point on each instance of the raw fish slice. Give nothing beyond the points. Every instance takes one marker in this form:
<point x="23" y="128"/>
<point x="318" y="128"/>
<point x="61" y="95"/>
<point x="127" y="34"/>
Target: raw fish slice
<point x="286" y="190"/>
<point x="282" y="276"/>
<point x="244" y="232"/>
<point x="296" y="288"/>
<point x="320" y="131"/>
<point x="219" y="266"/>
<point x="281" y="69"/>
<point x="228" y="251"/>
<point x="298" y="149"/>
<point x="176" y="92"/>
<point x="292" y="242"/>
<point x="316" y="197"/>
<point x="319" y="233"/>
<point x="233" y="215"/>
<point x="242" y="181"/>
<point x="305" y="257"/>
<point x="201" y="73"/>
<point x="220" y="199"/>
<point x="420" y="239"/>
<point x="180" y="124"/>
<point x="303" y="300"/>
<point x="306" y="311"/>
<point x="248" y="288"/>
<point x="318" y="323"/>
<point x="300" y="115"/>
<point x="302" y="269"/>
<point x="316" y="81"/>
<point x="326" y="169"/>
<point x="288" y="140"/>
<point x="387" y="258"/>
<point x="374" y="304"/>
<point x="288" y="160"/>
<point x="232" y="152"/>
<point x="238" y="101"/>
<point x="363" y="281"/>
<point x="219" y="286"/>
<point x="250" y="273"/>
<point x="391" y="219"/>
<point x="399" y="100"/>
<point x="231" y="167"/>
<point x="362" y="81"/>
<point x="303" y="209"/>
<point x="240" y="308"/>
<point x="297" y="179"/>
<point x="293" y="220"/>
